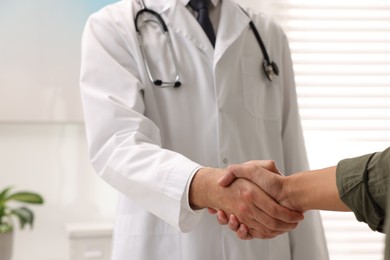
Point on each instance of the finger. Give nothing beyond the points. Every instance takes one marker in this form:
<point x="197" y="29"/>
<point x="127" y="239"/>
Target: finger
<point x="228" y="178"/>
<point x="275" y="211"/>
<point x="262" y="221"/>
<point x="269" y="165"/>
<point x="278" y="212"/>
<point x="258" y="230"/>
<point x="266" y="227"/>
<point x="241" y="229"/>
<point x="234" y="224"/>
<point x="222" y="217"/>
<point x="263" y="226"/>
<point x="245" y="170"/>
<point x="243" y="232"/>
<point x="265" y="203"/>
<point x="211" y="211"/>
<point x="233" y="172"/>
<point x="257" y="204"/>
<point x="266" y="180"/>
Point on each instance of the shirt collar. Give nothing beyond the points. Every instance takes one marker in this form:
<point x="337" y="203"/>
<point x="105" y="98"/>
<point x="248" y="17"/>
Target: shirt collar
<point x="213" y="2"/>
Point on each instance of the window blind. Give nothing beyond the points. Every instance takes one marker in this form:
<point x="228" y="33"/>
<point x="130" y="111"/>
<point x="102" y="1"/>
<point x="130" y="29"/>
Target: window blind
<point x="341" y="57"/>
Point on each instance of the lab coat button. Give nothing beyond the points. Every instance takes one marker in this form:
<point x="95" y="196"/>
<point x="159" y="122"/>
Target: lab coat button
<point x="225" y="161"/>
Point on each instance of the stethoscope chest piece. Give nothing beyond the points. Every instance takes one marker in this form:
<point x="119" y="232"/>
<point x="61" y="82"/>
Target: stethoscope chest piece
<point x="270" y="69"/>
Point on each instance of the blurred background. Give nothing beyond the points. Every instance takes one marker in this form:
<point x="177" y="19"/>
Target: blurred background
<point x="42" y="141"/>
<point x="341" y="55"/>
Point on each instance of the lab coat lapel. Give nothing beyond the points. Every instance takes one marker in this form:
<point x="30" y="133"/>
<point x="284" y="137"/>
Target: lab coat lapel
<point x="232" y="23"/>
<point x="183" y="23"/>
<point x="158" y="6"/>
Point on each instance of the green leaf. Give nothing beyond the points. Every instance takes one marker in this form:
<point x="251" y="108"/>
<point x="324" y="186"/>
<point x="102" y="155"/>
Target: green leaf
<point x="2" y="212"/>
<point x="24" y="215"/>
<point x="27" y="197"/>
<point x="3" y="195"/>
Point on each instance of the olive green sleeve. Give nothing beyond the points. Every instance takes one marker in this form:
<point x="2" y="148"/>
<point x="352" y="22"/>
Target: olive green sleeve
<point x="366" y="198"/>
<point x="387" y="229"/>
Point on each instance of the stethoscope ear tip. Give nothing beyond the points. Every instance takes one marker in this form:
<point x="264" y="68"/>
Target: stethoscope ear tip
<point x="177" y="84"/>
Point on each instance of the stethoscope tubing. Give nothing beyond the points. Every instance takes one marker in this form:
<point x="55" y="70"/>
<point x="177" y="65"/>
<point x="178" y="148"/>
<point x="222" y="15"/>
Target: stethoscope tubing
<point x="259" y="40"/>
<point x="164" y="27"/>
<point x="270" y="68"/>
<point x="155" y="14"/>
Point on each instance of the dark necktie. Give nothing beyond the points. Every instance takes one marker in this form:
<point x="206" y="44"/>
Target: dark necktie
<point x="201" y="7"/>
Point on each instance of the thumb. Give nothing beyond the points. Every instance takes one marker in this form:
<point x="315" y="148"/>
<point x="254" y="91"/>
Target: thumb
<point x="233" y="172"/>
<point x="269" y="165"/>
<point x="227" y="179"/>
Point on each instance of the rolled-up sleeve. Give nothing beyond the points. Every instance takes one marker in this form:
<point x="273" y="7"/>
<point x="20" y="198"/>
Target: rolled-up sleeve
<point x="367" y="201"/>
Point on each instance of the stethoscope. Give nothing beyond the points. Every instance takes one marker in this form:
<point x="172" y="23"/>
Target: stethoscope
<point x="270" y="68"/>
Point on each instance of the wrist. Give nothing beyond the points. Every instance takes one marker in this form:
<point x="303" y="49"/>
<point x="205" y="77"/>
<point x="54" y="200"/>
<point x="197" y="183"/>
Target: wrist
<point x="203" y="184"/>
<point x="302" y="190"/>
<point x="291" y="195"/>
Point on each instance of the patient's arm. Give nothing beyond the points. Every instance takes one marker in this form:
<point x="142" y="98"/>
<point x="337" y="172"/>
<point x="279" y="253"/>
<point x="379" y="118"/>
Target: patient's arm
<point x="300" y="192"/>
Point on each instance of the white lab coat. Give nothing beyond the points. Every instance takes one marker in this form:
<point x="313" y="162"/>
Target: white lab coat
<point x="147" y="142"/>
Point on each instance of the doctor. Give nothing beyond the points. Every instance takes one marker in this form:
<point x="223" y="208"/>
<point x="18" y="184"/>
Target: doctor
<point x="166" y="113"/>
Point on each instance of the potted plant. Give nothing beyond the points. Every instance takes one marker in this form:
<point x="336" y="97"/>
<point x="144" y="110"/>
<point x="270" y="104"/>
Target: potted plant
<point x="9" y="211"/>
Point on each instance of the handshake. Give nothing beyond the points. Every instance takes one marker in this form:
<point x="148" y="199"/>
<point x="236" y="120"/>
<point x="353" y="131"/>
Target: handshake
<point x="256" y="201"/>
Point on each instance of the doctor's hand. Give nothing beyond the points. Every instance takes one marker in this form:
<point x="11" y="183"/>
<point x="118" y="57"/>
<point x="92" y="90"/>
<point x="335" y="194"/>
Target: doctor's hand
<point x="266" y="176"/>
<point x="261" y="215"/>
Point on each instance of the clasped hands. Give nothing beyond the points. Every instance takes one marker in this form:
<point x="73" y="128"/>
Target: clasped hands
<point x="252" y="200"/>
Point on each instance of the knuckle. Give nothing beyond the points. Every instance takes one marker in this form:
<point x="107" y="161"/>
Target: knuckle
<point x="248" y="195"/>
<point x="270" y="164"/>
<point x="243" y="208"/>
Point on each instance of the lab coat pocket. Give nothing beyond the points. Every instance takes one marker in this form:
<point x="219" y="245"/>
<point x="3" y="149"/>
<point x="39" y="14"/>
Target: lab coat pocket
<point x="144" y="236"/>
<point x="262" y="98"/>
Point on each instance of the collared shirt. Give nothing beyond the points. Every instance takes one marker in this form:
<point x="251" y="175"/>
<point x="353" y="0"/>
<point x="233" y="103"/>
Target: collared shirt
<point x="214" y="12"/>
